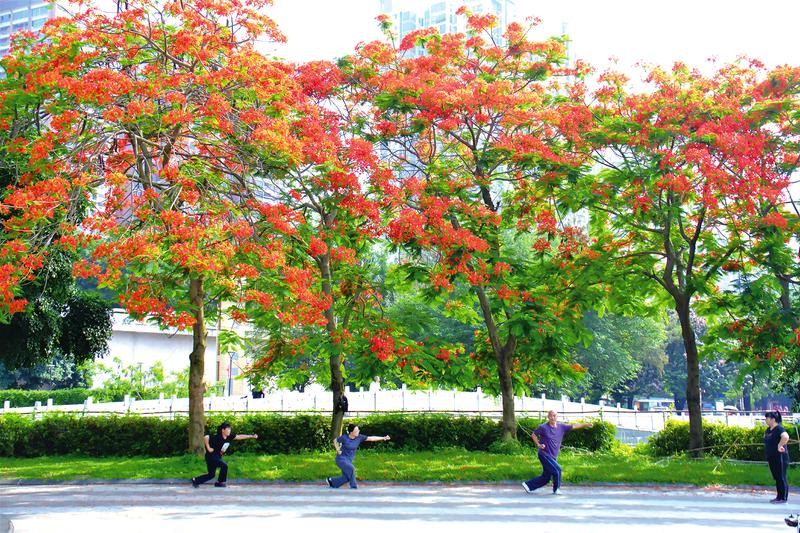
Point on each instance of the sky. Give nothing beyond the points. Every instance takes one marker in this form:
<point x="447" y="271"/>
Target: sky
<point x="629" y="31"/>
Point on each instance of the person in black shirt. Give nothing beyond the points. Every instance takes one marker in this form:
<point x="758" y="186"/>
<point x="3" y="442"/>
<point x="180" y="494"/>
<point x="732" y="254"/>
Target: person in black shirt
<point x="775" y="440"/>
<point x="216" y="446"/>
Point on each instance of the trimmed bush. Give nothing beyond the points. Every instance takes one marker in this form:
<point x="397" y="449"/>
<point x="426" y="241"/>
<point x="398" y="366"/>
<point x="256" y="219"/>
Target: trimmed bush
<point x="136" y="435"/>
<point x="600" y="437"/>
<point x="731" y="442"/>
<point x="27" y="398"/>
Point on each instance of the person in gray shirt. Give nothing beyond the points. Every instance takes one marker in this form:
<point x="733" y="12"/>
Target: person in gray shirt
<point x="346" y="446"/>
<point x="548" y="439"/>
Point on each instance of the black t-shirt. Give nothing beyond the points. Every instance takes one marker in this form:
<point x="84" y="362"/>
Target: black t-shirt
<point x="219" y="444"/>
<point x="771" y="439"/>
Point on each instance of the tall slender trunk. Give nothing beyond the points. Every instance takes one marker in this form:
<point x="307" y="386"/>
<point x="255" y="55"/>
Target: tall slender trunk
<point x="747" y="389"/>
<point x="197" y="388"/>
<point x="503" y="355"/>
<point x="507" y="392"/>
<point x="693" y="399"/>
<point x="335" y="359"/>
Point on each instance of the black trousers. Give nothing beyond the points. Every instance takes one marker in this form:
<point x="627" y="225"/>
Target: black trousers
<point x="214" y="462"/>
<point x="778" y="466"/>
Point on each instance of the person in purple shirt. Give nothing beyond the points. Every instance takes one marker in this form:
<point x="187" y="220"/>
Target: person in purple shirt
<point x="346" y="446"/>
<point x="548" y="439"/>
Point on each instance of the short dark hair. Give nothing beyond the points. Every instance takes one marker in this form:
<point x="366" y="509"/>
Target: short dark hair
<point x="223" y="426"/>
<point x="775" y="415"/>
<point x="351" y="427"/>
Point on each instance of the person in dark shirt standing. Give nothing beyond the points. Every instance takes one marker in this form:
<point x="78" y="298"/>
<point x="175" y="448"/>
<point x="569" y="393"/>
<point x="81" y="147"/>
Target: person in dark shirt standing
<point x="548" y="439"/>
<point x="775" y="447"/>
<point x="216" y="446"/>
<point x="346" y="446"/>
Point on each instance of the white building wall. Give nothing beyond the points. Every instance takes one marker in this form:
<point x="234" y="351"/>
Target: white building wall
<point x="136" y="343"/>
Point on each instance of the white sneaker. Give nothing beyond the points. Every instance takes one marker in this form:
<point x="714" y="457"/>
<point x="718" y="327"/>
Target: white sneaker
<point x="558" y="492"/>
<point x="525" y="486"/>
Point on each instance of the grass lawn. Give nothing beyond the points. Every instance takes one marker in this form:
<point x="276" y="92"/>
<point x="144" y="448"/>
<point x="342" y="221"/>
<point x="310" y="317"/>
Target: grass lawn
<point x="447" y="465"/>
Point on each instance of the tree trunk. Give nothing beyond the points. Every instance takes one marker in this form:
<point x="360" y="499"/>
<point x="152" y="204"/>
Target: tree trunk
<point x="335" y="359"/>
<point x="503" y="355"/>
<point x="746" y="394"/>
<point x="693" y="399"/>
<point x="197" y="388"/>
<point x="507" y="391"/>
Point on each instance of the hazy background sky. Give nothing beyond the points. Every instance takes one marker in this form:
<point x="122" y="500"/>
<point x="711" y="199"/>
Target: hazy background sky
<point x="629" y="30"/>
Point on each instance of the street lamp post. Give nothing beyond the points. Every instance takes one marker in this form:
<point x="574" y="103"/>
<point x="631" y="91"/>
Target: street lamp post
<point x="231" y="359"/>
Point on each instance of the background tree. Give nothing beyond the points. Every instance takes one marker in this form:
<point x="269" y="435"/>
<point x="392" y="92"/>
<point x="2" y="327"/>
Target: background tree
<point x="686" y="164"/>
<point x="145" y="114"/>
<point x="625" y="358"/>
<point x="472" y="126"/>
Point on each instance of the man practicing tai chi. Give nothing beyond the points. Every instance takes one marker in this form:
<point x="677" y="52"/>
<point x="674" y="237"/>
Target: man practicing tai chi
<point x="548" y="438"/>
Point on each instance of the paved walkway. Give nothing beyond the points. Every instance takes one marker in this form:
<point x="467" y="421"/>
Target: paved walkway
<point x="123" y="508"/>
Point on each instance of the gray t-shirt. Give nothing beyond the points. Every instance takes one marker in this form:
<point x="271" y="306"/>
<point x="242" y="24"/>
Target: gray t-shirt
<point x="551" y="437"/>
<point x="349" y="446"/>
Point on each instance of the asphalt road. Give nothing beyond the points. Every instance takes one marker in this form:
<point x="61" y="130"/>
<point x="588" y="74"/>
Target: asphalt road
<point x="150" y="508"/>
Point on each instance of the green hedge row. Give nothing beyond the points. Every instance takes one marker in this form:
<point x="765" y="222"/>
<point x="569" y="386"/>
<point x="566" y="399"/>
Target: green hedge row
<point x="129" y="435"/>
<point x="731" y="442"/>
<point x="28" y="398"/>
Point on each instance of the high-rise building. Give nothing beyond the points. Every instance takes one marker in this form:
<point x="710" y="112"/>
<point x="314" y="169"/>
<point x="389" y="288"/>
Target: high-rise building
<point x="410" y="15"/>
<point x="16" y="15"/>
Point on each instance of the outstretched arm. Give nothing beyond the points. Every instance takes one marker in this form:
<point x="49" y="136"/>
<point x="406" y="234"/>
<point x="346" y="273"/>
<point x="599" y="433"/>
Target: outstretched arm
<point x="373" y="439"/>
<point x="581" y="426"/>
<point x="243" y="437"/>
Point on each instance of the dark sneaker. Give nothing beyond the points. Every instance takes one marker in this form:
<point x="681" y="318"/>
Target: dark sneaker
<point x="195" y="484"/>
<point x="525" y="486"/>
<point x="354" y="488"/>
<point x="220" y="484"/>
<point x="777" y="500"/>
<point x="328" y="480"/>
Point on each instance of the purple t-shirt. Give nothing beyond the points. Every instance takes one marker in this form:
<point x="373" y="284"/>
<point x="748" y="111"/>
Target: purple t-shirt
<point x="551" y="437"/>
<point x="349" y="446"/>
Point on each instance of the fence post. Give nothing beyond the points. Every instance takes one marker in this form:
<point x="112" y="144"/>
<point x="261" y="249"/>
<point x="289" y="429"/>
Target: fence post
<point x="478" y="393"/>
<point x="619" y="416"/>
<point x="583" y="402"/>
<point x="49" y="403"/>
<point x="541" y="405"/>
<point x="403" y="397"/>
<point x="37" y="406"/>
<point x="6" y="405"/>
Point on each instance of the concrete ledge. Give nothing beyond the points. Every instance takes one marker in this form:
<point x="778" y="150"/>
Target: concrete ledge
<point x="6" y="526"/>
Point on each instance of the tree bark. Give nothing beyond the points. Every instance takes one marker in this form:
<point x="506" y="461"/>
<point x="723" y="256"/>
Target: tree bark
<point x="693" y="398"/>
<point x="197" y="387"/>
<point x="335" y="359"/>
<point x="746" y="395"/>
<point x="507" y="391"/>
<point x="503" y="355"/>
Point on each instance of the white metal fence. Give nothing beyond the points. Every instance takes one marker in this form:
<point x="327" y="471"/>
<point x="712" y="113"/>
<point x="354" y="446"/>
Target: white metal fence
<point x="401" y="400"/>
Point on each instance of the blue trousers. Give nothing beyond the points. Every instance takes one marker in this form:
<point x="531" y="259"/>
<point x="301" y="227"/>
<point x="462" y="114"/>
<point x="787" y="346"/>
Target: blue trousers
<point x="348" y="473"/>
<point x="551" y="469"/>
<point x="778" y="466"/>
